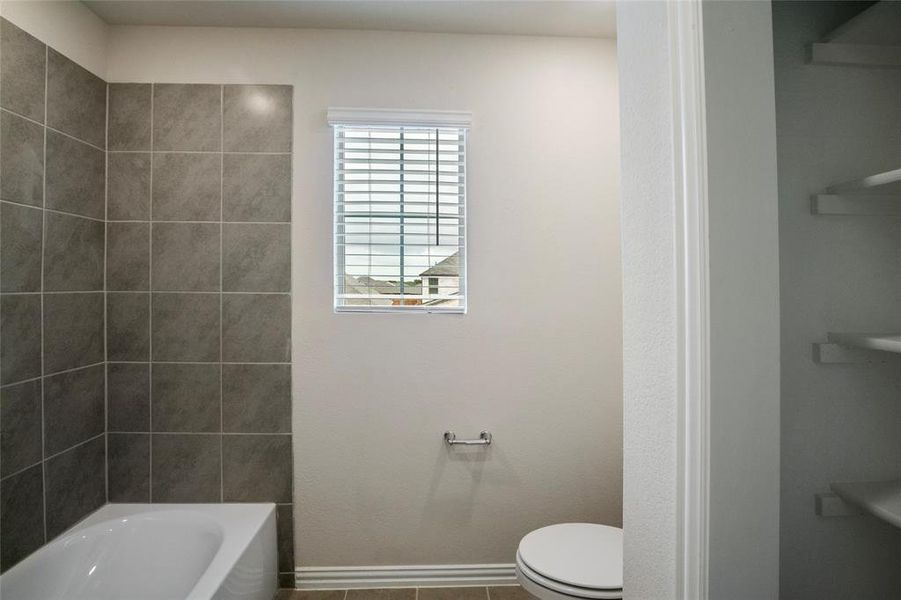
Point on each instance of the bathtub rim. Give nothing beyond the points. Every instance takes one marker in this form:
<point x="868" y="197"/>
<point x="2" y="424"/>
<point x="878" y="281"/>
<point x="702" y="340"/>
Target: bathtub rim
<point x="241" y="524"/>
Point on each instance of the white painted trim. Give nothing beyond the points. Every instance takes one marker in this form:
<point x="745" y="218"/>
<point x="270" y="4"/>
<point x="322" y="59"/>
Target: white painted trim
<point x="388" y="117"/>
<point x="690" y="171"/>
<point x="399" y="576"/>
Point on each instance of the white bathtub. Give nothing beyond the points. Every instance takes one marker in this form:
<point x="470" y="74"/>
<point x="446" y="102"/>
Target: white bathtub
<point x="155" y="552"/>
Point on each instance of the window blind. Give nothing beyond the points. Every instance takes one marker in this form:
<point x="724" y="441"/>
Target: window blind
<point x="400" y="218"/>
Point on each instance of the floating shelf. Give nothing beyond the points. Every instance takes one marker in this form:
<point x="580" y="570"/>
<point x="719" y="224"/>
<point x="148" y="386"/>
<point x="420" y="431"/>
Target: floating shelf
<point x="881" y="499"/>
<point x="870" y="39"/>
<point x="855" y="55"/>
<point x="886" y="342"/>
<point x="876" y="195"/>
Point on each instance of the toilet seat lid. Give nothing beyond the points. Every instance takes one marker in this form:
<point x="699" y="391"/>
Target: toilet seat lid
<point x="579" y="554"/>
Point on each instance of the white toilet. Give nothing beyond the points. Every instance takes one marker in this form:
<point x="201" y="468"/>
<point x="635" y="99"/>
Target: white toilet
<point x="572" y="560"/>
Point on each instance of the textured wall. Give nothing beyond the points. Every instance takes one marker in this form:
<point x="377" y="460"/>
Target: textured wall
<point x="198" y="296"/>
<point x="839" y="422"/>
<point x="650" y="386"/>
<point x="52" y="205"/>
<point x="537" y="360"/>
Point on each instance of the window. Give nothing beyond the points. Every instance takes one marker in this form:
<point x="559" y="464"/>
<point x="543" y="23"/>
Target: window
<point x="400" y="210"/>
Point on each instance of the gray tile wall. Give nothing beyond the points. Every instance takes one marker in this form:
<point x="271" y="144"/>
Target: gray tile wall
<point x="198" y="296"/>
<point x="145" y="307"/>
<point x="52" y="372"/>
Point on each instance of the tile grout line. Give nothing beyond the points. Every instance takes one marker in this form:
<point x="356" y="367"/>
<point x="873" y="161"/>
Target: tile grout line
<point x="221" y="289"/>
<point x="48" y="375"/>
<point x="251" y="153"/>
<point x="224" y="433"/>
<point x="53" y="129"/>
<point x="181" y="362"/>
<point x="175" y="221"/>
<point x="53" y="292"/>
<point x="180" y="292"/>
<point x="54" y="455"/>
<point x="52" y="210"/>
<point x="106" y="297"/>
<point x="43" y="245"/>
<point x="150" y="309"/>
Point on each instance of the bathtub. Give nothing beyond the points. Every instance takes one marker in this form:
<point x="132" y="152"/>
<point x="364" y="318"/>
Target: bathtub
<point x="155" y="552"/>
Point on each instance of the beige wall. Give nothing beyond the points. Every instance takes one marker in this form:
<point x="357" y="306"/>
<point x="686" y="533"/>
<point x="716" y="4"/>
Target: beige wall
<point x="537" y="361"/>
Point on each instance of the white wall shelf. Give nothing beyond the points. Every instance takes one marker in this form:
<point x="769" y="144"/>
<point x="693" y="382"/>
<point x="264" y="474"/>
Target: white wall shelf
<point x="869" y="39"/>
<point x="855" y="55"/>
<point x="837" y="354"/>
<point x="886" y="342"/>
<point x="874" y="195"/>
<point x="881" y="499"/>
<point x="870" y="182"/>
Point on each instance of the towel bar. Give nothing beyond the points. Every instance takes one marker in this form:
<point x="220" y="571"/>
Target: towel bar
<point x="451" y="439"/>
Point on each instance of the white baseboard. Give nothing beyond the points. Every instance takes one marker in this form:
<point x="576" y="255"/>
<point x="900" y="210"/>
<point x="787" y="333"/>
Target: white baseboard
<point x="328" y="578"/>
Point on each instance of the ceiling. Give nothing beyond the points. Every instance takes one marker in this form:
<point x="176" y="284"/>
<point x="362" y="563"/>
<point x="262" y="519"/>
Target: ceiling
<point x="570" y="18"/>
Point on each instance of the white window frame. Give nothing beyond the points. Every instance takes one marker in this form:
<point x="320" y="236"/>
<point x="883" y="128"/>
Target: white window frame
<point x="377" y="117"/>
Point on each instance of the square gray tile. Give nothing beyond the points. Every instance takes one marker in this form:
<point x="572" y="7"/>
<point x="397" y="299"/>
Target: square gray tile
<point x="74" y="408"/>
<point x="284" y="523"/>
<point x="21" y="515"/>
<point x="256" y="328"/>
<point x="128" y="396"/>
<point x="73" y="253"/>
<point x="509" y="592"/>
<point x="21" y="232"/>
<point x="382" y="594"/>
<point x="256" y="187"/>
<point x="186" y="398"/>
<point x="127" y="256"/>
<point x="128" y="456"/>
<point x="20" y="426"/>
<point x="186" y="257"/>
<point x="76" y="100"/>
<point x="256" y="468"/>
<point x="257" y="118"/>
<point x="128" y="326"/>
<point x="187" y="117"/>
<point x="22" y="64"/>
<point x="76" y="176"/>
<point x="186" y="468"/>
<point x="256" y="258"/>
<point x="186" y="187"/>
<point x="76" y="485"/>
<point x="128" y="186"/>
<point x="454" y="593"/>
<point x="256" y="398"/>
<point x="21" y="160"/>
<point x="20" y="344"/>
<point x="185" y="327"/>
<point x="73" y="330"/>
<point x="129" y="116"/>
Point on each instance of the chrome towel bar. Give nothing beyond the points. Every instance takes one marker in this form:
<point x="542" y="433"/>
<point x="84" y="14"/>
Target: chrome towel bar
<point x="451" y="439"/>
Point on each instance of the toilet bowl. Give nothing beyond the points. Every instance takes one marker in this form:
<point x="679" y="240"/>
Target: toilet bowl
<point x="572" y="561"/>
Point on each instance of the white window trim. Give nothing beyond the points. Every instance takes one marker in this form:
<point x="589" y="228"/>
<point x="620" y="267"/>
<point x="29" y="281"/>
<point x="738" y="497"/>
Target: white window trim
<point x="381" y="117"/>
<point x="388" y="117"/>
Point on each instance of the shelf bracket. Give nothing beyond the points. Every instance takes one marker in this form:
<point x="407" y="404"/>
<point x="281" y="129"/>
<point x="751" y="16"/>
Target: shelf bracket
<point x="836" y="354"/>
<point x="876" y="205"/>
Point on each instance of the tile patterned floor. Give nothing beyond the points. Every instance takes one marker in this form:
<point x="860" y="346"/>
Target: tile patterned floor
<point x="507" y="592"/>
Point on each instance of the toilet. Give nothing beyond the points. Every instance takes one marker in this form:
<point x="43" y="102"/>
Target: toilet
<point x="572" y="560"/>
